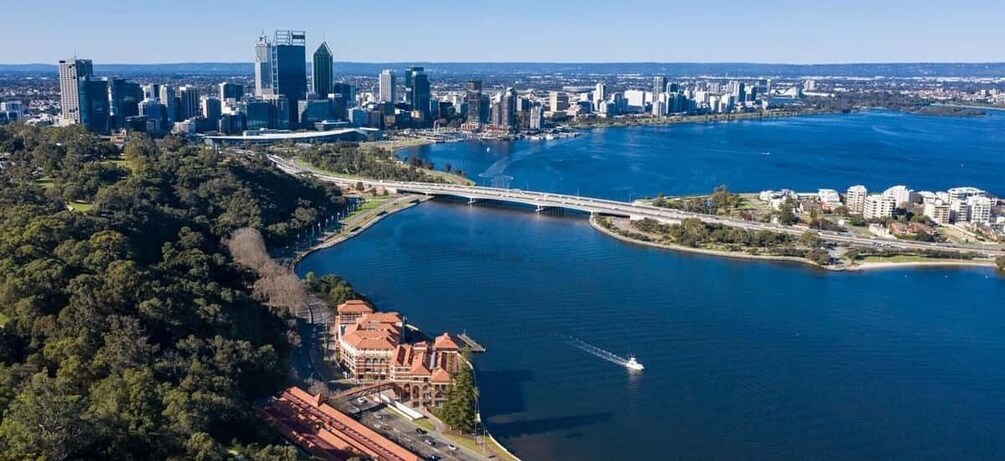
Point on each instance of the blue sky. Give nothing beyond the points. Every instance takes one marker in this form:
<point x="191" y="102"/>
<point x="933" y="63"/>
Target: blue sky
<point x="790" y="31"/>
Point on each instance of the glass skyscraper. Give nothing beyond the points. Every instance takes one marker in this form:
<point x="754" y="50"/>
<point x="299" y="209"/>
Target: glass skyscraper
<point x="322" y="70"/>
<point x="289" y="68"/>
<point x="417" y="89"/>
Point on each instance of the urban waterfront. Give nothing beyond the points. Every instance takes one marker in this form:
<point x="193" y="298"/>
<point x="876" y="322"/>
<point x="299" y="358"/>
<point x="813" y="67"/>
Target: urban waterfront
<point x="743" y="359"/>
<point x="874" y="148"/>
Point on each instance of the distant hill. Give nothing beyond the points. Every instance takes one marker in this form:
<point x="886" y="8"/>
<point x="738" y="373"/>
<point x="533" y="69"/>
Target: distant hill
<point x="738" y="69"/>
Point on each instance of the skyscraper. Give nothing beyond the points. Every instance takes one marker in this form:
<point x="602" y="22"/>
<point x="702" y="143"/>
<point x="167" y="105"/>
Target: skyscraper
<point x="169" y="100"/>
<point x="387" y="82"/>
<point x="473" y="97"/>
<point x="230" y="91"/>
<point x="188" y="98"/>
<point x="289" y="68"/>
<point x="659" y="86"/>
<point x="125" y="99"/>
<point x="263" y="68"/>
<point x="599" y="95"/>
<point x="417" y="90"/>
<point x="70" y="72"/>
<point x="323" y="73"/>
<point x="93" y="103"/>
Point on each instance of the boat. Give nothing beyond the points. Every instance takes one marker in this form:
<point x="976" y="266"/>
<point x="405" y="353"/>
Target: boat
<point x="633" y="364"/>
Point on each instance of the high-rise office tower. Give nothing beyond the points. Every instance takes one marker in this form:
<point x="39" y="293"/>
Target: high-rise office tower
<point x="659" y="86"/>
<point x="263" y="68"/>
<point x="93" y="103"/>
<point x="473" y="97"/>
<point x="125" y="99"/>
<point x="70" y="72"/>
<point x="230" y="91"/>
<point x="170" y="102"/>
<point x="323" y="74"/>
<point x="417" y="89"/>
<point x="188" y="102"/>
<point x="289" y="68"/>
<point x="211" y="109"/>
<point x="387" y="82"/>
<point x="599" y="95"/>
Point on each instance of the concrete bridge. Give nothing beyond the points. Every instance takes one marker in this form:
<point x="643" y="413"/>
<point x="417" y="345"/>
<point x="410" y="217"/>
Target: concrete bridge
<point x="595" y="206"/>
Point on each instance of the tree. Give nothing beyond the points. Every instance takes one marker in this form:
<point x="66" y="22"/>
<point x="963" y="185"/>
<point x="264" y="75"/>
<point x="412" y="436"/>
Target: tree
<point x="460" y="409"/>
<point x="1000" y="262"/>
<point x="45" y="422"/>
<point x="786" y="215"/>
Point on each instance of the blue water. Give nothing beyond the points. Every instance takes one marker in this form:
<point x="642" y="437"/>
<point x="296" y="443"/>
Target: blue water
<point x="877" y="149"/>
<point x="744" y="359"/>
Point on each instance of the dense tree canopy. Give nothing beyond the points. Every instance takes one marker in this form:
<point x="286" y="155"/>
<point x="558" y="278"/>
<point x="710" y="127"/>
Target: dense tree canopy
<point x="128" y="332"/>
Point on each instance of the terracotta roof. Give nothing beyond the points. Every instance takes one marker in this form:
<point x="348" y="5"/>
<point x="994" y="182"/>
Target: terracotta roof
<point x="354" y="306"/>
<point x="446" y="342"/>
<point x="440" y="376"/>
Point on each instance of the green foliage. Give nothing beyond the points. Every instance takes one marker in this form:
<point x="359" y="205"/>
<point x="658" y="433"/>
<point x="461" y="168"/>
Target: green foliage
<point x="721" y="201"/>
<point x="461" y="407"/>
<point x="350" y="160"/>
<point x="1000" y="262"/>
<point x="130" y="333"/>
<point x="331" y="288"/>
<point x="786" y="213"/>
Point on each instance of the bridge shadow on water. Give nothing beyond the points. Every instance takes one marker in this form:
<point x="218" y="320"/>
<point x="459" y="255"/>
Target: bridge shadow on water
<point x="515" y="206"/>
<point x="517" y="428"/>
<point x="505" y="387"/>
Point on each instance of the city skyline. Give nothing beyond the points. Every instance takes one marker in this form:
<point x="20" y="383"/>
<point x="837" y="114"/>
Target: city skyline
<point x="521" y="31"/>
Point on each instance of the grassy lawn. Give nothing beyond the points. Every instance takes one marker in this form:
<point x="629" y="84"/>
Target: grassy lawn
<point x="80" y="206"/>
<point x="424" y="423"/>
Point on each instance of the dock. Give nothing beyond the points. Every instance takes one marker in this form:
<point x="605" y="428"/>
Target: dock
<point x="470" y="344"/>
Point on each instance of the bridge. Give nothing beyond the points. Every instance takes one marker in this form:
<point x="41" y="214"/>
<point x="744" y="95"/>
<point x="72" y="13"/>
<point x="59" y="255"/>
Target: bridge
<point x="595" y="206"/>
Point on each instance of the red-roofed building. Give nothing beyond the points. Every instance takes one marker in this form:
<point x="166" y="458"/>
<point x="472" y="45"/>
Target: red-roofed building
<point x="372" y="348"/>
<point x="326" y="432"/>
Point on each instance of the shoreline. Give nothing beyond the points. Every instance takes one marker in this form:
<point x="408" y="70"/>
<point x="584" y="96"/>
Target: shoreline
<point x="368" y="218"/>
<point x="865" y="266"/>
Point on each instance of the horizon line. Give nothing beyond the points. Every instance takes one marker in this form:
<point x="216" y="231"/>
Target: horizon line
<point x="843" y="63"/>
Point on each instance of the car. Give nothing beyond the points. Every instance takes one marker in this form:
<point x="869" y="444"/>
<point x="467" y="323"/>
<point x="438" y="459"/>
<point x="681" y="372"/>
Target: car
<point x="379" y="416"/>
<point x="429" y="442"/>
<point x="361" y="401"/>
<point x="420" y="431"/>
<point x="452" y="447"/>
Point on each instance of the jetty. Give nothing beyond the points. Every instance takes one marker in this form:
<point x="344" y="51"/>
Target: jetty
<point x="470" y="344"/>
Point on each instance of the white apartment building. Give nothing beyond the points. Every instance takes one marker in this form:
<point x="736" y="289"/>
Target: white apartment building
<point x="961" y="194"/>
<point x="938" y="211"/>
<point x="980" y="209"/>
<point x="878" y="206"/>
<point x="829" y="198"/>
<point x="901" y="194"/>
<point x="854" y="199"/>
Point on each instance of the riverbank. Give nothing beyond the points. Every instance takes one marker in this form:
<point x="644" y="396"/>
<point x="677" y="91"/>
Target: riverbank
<point x="842" y="267"/>
<point x="362" y="220"/>
<point x="684" y="119"/>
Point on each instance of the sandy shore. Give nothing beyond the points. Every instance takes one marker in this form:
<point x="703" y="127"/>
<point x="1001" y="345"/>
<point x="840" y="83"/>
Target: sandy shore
<point x="837" y="268"/>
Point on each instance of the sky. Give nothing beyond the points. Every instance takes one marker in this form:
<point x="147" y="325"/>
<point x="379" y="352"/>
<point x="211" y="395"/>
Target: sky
<point x="765" y="31"/>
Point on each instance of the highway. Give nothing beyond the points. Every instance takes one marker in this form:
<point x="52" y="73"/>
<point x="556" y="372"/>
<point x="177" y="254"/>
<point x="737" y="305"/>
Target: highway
<point x="544" y="200"/>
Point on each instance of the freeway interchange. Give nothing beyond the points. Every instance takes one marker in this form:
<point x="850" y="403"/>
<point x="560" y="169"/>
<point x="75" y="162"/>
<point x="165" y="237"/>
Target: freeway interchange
<point x="599" y="206"/>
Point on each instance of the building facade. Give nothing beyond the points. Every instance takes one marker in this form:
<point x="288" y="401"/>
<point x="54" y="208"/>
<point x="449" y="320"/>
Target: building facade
<point x="323" y="73"/>
<point x="854" y="199"/>
<point x="387" y="86"/>
<point x="70" y="72"/>
<point x="878" y="206"/>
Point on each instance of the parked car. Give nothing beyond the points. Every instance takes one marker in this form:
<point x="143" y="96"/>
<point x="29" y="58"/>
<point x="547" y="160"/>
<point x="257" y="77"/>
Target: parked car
<point x="430" y="442"/>
<point x="420" y="431"/>
<point x="452" y="447"/>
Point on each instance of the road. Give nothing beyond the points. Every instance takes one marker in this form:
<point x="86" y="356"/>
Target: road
<point x="591" y="205"/>
<point x="397" y="428"/>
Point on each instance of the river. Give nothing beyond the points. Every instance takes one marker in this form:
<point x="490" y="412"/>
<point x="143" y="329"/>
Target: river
<point x="744" y="359"/>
